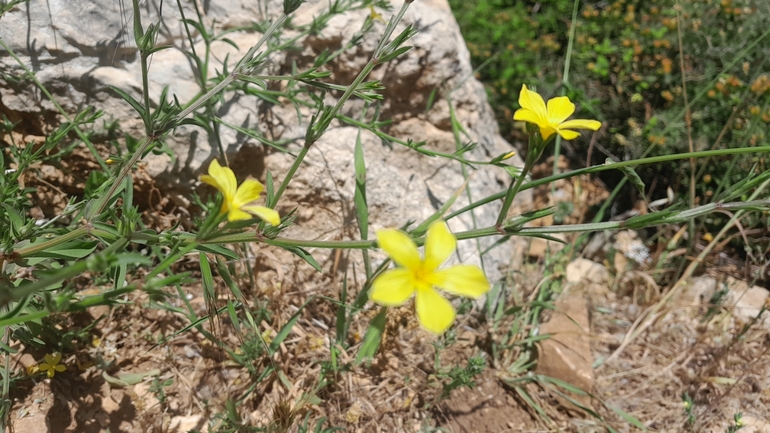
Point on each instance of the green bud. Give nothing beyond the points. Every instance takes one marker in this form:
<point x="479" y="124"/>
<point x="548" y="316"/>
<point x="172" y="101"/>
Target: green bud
<point x="290" y="6"/>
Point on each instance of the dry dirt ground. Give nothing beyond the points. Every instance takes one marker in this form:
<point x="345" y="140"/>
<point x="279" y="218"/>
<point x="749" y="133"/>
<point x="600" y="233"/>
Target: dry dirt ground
<point x="723" y="368"/>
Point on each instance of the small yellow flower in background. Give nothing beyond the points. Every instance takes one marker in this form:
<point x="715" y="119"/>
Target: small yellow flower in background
<point x="551" y="118"/>
<point x="51" y="365"/>
<point x="418" y="276"/>
<point x="237" y="198"/>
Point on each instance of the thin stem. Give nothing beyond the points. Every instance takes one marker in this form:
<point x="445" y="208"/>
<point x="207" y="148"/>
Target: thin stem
<point x="32" y="249"/>
<point x="612" y="166"/>
<point x="235" y="74"/>
<point x="50" y="97"/>
<point x="311" y="139"/>
<point x="515" y="186"/>
<point x="565" y="80"/>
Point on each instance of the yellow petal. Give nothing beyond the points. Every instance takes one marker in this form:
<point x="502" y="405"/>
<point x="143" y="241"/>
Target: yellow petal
<point x="237" y="215"/>
<point x="440" y="243"/>
<point x="51" y="372"/>
<point x="559" y="109"/>
<point x="265" y="213"/>
<point x="462" y="280"/>
<point x="436" y="314"/>
<point x="247" y="192"/>
<point x="60" y="368"/>
<point x="400" y="247"/>
<point x="44" y="366"/>
<point x="529" y="116"/>
<point x="533" y="102"/>
<point x="593" y="125"/>
<point x="568" y="134"/>
<point x="205" y="178"/>
<point x="393" y="287"/>
<point x="225" y="178"/>
<point x="546" y="132"/>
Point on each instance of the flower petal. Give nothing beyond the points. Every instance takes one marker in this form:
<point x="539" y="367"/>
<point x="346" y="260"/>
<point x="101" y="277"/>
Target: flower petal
<point x="393" y="287"/>
<point x="547" y="132"/>
<point x="265" y="213"/>
<point x="436" y="314"/>
<point x="400" y="247"/>
<point x="205" y="178"/>
<point x="529" y="116"/>
<point x="44" y="366"/>
<point x="440" y="243"/>
<point x="462" y="280"/>
<point x="225" y="178"/>
<point x="593" y="125"/>
<point x="237" y="215"/>
<point x="51" y="372"/>
<point x="60" y="368"/>
<point x="559" y="109"/>
<point x="568" y="134"/>
<point x="533" y="102"/>
<point x="247" y="192"/>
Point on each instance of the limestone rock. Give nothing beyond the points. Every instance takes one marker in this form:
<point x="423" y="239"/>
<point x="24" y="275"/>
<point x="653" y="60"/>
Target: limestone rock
<point x="90" y="47"/>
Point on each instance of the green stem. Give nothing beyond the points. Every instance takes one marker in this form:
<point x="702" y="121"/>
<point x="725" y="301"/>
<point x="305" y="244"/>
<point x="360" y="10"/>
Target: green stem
<point x="565" y="80"/>
<point x="32" y="249"/>
<point x="312" y="138"/>
<point x="612" y="166"/>
<point x="515" y="186"/>
<point x="290" y="174"/>
<point x="82" y="136"/>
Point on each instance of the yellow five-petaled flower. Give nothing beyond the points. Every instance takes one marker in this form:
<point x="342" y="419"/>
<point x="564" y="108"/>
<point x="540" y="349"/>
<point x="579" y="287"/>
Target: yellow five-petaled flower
<point x="51" y="364"/>
<point x="551" y="118"/>
<point x="237" y="198"/>
<point x="419" y="276"/>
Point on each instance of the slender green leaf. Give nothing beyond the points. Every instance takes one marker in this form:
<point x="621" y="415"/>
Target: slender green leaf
<point x="372" y="338"/>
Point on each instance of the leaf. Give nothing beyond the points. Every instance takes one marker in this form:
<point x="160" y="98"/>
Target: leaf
<point x="286" y="329"/>
<point x="304" y="255"/>
<point x="218" y="249"/>
<point x="629" y="418"/>
<point x="372" y="338"/>
<point x="14" y="218"/>
<point x="131" y="101"/>
<point x="126" y="380"/>
<point x="225" y="274"/>
<point x="269" y="189"/>
<point x="341" y="324"/>
<point x="69" y="250"/>
<point x="632" y="176"/>
<point x="362" y="208"/>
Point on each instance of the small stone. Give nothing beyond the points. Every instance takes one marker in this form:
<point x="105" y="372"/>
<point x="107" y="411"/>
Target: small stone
<point x="102" y="418"/>
<point x="584" y="269"/>
<point x="567" y="354"/>
<point x="180" y="424"/>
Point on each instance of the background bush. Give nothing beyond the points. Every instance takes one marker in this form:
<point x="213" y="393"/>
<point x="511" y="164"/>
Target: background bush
<point x="626" y="61"/>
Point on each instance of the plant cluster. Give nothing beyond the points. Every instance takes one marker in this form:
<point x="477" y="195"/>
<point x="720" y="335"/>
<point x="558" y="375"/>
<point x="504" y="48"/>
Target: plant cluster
<point x="101" y="231"/>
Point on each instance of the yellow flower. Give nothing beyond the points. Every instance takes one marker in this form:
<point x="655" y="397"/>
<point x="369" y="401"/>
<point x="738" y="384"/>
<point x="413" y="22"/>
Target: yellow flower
<point x="551" y="119"/>
<point x="51" y="364"/>
<point x="419" y="276"/>
<point x="237" y="198"/>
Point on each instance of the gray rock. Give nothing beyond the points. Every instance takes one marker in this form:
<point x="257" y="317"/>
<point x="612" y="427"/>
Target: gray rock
<point x="77" y="48"/>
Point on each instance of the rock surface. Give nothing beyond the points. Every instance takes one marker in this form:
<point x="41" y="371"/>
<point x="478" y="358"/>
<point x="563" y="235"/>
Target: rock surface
<point x="567" y="354"/>
<point x="91" y="47"/>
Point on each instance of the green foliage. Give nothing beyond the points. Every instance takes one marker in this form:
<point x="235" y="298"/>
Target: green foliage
<point x="101" y="231"/>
